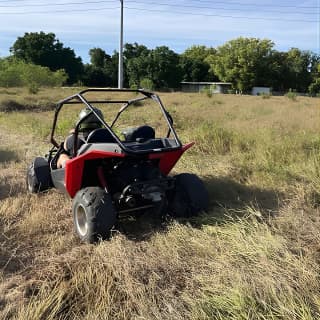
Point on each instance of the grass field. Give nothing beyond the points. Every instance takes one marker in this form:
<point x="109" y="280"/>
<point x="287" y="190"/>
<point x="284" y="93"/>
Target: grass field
<point x="254" y="255"/>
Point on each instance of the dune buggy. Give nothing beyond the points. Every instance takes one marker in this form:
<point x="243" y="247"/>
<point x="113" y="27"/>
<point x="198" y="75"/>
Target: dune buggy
<point x="118" y="168"/>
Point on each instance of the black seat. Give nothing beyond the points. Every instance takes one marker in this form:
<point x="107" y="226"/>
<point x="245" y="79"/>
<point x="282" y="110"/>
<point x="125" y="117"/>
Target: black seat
<point x="100" y="135"/>
<point x="140" y="134"/>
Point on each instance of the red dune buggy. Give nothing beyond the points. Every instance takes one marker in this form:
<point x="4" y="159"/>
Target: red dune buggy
<point x="117" y="170"/>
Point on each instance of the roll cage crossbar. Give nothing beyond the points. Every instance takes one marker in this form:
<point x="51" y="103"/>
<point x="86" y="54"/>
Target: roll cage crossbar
<point x="80" y="98"/>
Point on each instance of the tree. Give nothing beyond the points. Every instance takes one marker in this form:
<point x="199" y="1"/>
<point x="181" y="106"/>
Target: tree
<point x="299" y="67"/>
<point x="100" y="72"/>
<point x="194" y="66"/>
<point x="314" y="88"/>
<point x="99" y="58"/>
<point x="159" y="67"/>
<point x="45" y="50"/>
<point x="96" y="77"/>
<point x="136" y="61"/>
<point x="163" y="68"/>
<point x="134" y="50"/>
<point x="242" y="62"/>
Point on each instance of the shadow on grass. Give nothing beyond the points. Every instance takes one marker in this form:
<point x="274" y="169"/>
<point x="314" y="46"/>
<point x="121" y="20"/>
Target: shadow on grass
<point x="11" y="187"/>
<point x="8" y="156"/>
<point x="227" y="193"/>
<point x="228" y="199"/>
<point x="142" y="227"/>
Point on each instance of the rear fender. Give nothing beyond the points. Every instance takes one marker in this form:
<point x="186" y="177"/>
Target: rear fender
<point x="74" y="168"/>
<point x="170" y="158"/>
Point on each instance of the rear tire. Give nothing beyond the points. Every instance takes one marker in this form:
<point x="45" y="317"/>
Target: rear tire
<point x="190" y="196"/>
<point x="93" y="214"/>
<point x="38" y="176"/>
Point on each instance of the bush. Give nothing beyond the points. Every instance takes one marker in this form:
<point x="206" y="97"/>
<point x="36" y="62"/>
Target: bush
<point x="314" y="88"/>
<point x="265" y="95"/>
<point x="206" y="90"/>
<point x="33" y="88"/>
<point x="147" y="83"/>
<point x="292" y="95"/>
<point x="15" y="73"/>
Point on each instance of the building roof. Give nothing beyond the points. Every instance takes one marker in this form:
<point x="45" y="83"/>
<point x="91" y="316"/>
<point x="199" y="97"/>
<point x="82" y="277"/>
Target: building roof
<point x="206" y="83"/>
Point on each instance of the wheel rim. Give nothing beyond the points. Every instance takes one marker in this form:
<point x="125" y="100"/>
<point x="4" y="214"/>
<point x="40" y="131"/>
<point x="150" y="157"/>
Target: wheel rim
<point x="30" y="184"/>
<point x="81" y="220"/>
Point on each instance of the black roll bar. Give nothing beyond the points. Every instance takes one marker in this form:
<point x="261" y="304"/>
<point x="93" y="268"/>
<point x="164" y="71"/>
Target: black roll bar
<point x="80" y="97"/>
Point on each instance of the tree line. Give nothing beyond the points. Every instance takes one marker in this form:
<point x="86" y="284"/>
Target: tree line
<point x="245" y="62"/>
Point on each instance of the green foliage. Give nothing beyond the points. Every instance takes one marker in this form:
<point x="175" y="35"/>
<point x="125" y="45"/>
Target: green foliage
<point x="160" y="65"/>
<point x="208" y="90"/>
<point x="99" y="58"/>
<point x="33" y="88"/>
<point x="147" y="84"/>
<point x="194" y="66"/>
<point x="292" y="95"/>
<point x="164" y="68"/>
<point x="314" y="87"/>
<point x="265" y="95"/>
<point x="101" y="71"/>
<point x="213" y="139"/>
<point x="97" y="77"/>
<point x="245" y="62"/>
<point x="241" y="61"/>
<point x="45" y="50"/>
<point x="15" y="73"/>
<point x="198" y="52"/>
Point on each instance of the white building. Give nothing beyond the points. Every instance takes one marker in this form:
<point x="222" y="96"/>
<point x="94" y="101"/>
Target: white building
<point x="260" y="90"/>
<point x="214" y="87"/>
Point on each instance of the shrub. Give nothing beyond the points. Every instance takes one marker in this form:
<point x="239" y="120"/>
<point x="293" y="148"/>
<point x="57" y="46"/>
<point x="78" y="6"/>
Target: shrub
<point x="314" y="88"/>
<point x="265" y="95"/>
<point x="207" y="91"/>
<point x="15" y="73"/>
<point x="292" y="95"/>
<point x="33" y="88"/>
<point x="147" y="83"/>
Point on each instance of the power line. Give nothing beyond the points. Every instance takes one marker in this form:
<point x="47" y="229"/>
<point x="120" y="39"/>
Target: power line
<point x="57" y="11"/>
<point x="180" y="5"/>
<point x="57" y="4"/>
<point x="222" y="16"/>
<point x="257" y="5"/>
<point x="156" y="10"/>
<point x="214" y="8"/>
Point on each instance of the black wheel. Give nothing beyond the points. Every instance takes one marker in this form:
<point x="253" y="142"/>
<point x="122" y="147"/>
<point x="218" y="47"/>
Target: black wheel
<point x="38" y="176"/>
<point x="190" y="196"/>
<point x="93" y="214"/>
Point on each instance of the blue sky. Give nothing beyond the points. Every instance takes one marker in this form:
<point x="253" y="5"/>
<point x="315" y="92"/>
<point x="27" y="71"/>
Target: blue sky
<point x="178" y="24"/>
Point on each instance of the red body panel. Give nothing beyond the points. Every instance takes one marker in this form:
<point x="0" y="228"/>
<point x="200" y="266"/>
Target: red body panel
<point x="170" y="158"/>
<point x="74" y="167"/>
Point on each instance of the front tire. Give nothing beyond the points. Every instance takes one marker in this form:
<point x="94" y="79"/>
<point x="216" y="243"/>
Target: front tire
<point x="93" y="214"/>
<point x="190" y="196"/>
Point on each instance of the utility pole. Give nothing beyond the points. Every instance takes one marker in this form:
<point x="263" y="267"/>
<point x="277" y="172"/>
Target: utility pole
<point x="120" y="70"/>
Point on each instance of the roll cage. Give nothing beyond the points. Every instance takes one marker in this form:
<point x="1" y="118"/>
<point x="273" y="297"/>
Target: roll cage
<point x="81" y="98"/>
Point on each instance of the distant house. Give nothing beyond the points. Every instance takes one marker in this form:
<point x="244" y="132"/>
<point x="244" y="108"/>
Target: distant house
<point x="214" y="87"/>
<point x="260" y="90"/>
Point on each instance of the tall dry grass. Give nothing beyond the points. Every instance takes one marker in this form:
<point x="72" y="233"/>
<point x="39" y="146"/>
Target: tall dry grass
<point x="253" y="255"/>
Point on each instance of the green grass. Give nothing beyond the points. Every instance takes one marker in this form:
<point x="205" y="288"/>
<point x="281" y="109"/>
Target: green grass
<point x="253" y="255"/>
